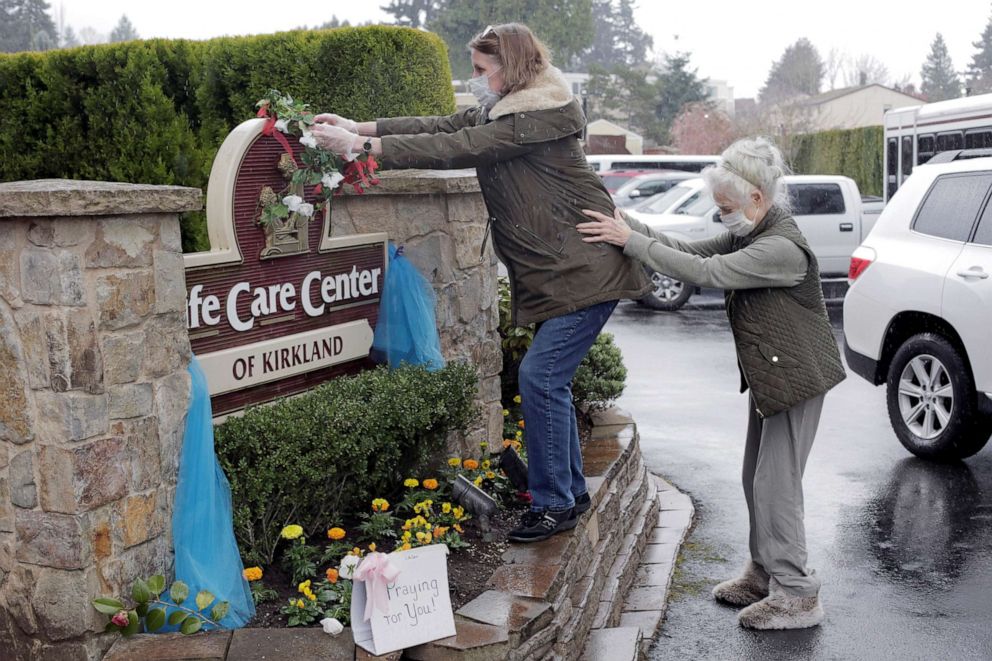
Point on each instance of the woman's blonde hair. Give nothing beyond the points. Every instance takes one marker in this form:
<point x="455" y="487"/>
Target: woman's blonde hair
<point x="522" y="55"/>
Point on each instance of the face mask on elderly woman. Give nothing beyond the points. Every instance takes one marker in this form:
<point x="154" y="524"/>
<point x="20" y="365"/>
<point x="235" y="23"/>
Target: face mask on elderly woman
<point x="737" y="223"/>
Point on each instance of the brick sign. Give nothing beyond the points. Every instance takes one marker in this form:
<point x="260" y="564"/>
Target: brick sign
<point x="274" y="310"/>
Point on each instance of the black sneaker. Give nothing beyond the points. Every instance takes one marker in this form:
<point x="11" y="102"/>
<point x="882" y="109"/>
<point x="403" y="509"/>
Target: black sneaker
<point x="582" y="504"/>
<point x="538" y="526"/>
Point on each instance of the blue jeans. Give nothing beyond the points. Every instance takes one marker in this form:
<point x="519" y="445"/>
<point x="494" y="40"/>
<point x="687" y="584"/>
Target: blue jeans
<point x="553" y="454"/>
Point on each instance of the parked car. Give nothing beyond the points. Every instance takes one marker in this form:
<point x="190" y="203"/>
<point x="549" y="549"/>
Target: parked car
<point x="639" y="188"/>
<point x="614" y="179"/>
<point x="827" y="209"/>
<point x="919" y="308"/>
<point x="604" y="162"/>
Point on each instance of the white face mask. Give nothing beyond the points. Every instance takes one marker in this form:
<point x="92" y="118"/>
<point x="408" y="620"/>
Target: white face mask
<point x="479" y="86"/>
<point x="737" y="223"/>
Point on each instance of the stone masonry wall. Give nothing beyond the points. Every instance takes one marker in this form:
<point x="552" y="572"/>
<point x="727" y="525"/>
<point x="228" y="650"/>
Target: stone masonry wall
<point x="439" y="217"/>
<point x="93" y="396"/>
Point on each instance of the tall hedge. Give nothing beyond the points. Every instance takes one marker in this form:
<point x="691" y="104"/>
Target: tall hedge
<point x="855" y="153"/>
<point x="156" y="111"/>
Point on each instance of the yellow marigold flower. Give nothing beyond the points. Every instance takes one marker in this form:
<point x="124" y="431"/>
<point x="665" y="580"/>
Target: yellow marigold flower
<point x="521" y="424"/>
<point x="406" y="547"/>
<point x="470" y="464"/>
<point x="440" y="532"/>
<point x="478" y="481"/>
<point x="311" y="596"/>
<point x="423" y="537"/>
<point x="486" y="464"/>
<point x="517" y="400"/>
<point x="332" y="575"/>
<point x="299" y="603"/>
<point x="336" y="534"/>
<point x="292" y="532"/>
<point x="430" y="485"/>
<point x="407" y="536"/>
<point x="446" y="508"/>
<point x="411" y="483"/>
<point x="520" y="434"/>
<point x="454" y="462"/>
<point x="490" y="475"/>
<point x="252" y="573"/>
<point x="459" y="513"/>
<point x="380" y="505"/>
<point x="372" y="547"/>
<point x="458" y="528"/>
<point x="505" y="413"/>
<point x="304" y="586"/>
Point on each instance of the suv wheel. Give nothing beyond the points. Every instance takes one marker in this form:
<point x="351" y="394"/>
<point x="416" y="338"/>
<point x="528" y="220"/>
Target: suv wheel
<point x="668" y="294"/>
<point x="932" y="401"/>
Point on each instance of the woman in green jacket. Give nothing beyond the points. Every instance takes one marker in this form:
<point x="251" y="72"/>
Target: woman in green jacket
<point x="523" y="141"/>
<point x="786" y="353"/>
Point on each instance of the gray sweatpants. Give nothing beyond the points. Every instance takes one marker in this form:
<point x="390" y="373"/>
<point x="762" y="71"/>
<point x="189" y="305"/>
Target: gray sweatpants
<point x="774" y="461"/>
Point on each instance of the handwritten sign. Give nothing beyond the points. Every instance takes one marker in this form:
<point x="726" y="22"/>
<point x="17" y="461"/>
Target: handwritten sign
<point x="418" y="606"/>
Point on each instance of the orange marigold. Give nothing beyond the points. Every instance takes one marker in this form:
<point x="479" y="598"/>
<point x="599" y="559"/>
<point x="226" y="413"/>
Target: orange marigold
<point x="430" y="485"/>
<point x="336" y="534"/>
<point x="252" y="573"/>
<point x="332" y="575"/>
<point x="470" y="464"/>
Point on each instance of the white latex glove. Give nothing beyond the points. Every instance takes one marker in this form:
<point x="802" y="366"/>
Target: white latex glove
<point x="334" y="138"/>
<point x="337" y="120"/>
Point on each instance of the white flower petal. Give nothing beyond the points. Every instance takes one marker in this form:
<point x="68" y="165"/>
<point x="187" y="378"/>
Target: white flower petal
<point x="309" y="141"/>
<point x="282" y="125"/>
<point x="306" y="209"/>
<point x="293" y="202"/>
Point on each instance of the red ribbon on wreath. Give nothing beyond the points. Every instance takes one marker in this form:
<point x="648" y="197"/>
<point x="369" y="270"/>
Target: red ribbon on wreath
<point x="360" y="172"/>
<point x="270" y="129"/>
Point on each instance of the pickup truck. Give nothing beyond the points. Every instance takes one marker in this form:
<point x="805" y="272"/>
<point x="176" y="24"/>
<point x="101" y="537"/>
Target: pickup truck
<point x="828" y="209"/>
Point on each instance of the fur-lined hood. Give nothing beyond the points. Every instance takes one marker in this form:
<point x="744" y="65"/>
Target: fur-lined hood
<point x="549" y="90"/>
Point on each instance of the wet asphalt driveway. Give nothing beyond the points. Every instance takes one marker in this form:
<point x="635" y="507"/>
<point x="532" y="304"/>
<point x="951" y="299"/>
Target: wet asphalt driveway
<point x="904" y="547"/>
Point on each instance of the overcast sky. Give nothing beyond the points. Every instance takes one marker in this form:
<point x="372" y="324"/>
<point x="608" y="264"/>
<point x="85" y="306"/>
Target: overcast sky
<point x="729" y="40"/>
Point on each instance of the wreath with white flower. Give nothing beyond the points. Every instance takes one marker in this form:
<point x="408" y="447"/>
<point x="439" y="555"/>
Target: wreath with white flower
<point x="323" y="170"/>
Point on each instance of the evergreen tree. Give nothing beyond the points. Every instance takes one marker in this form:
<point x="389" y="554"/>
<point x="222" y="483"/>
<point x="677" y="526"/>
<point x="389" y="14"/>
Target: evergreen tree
<point x="69" y="38"/>
<point x="939" y="79"/>
<point x="617" y="40"/>
<point x="799" y="72"/>
<point x="564" y="25"/>
<point x="980" y="70"/>
<point x="124" y="31"/>
<point x="26" y="25"/>
<point x="678" y="86"/>
<point x="413" y="13"/>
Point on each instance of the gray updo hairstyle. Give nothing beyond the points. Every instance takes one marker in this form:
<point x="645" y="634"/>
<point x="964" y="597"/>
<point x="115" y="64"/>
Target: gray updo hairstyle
<point x="746" y="165"/>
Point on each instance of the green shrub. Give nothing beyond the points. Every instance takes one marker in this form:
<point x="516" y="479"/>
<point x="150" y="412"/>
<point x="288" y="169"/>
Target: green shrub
<point x="599" y="380"/>
<point x="312" y="459"/>
<point x="854" y="153"/>
<point x="156" y="111"/>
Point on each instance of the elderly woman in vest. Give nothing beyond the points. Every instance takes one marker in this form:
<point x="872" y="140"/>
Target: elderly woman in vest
<point x="523" y="140"/>
<point x="786" y="353"/>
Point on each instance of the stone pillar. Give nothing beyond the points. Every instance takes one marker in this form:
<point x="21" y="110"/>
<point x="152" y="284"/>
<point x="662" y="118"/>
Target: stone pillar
<point x="440" y="219"/>
<point x="93" y="397"/>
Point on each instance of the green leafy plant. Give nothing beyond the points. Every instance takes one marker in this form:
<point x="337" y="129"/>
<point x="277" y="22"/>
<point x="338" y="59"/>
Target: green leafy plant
<point x="260" y="592"/>
<point x="150" y="611"/>
<point x="327" y="453"/>
<point x="300" y="559"/>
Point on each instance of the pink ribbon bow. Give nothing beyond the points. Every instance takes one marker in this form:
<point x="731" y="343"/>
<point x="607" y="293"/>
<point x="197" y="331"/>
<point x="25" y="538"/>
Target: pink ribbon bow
<point x="376" y="571"/>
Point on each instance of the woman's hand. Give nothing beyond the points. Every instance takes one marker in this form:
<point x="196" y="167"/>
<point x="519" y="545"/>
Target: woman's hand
<point x="334" y="138"/>
<point x="613" y="230"/>
<point x="337" y="120"/>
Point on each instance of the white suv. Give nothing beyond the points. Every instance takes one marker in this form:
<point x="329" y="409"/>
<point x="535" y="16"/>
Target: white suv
<point x="918" y="314"/>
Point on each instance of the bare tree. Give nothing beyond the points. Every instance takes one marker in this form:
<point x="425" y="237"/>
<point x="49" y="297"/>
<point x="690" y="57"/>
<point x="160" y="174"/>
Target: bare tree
<point x="866" y="69"/>
<point x="834" y="64"/>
